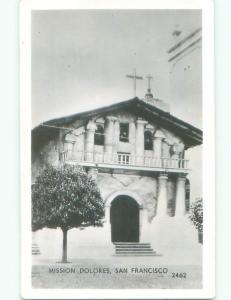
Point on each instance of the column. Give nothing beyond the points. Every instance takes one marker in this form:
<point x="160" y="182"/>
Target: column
<point x="157" y="147"/>
<point x="69" y="143"/>
<point x="116" y="134"/>
<point x="109" y="137"/>
<point x="107" y="214"/>
<point x="89" y="141"/>
<point x="144" y="226"/>
<point x="140" y="141"/>
<point x="107" y="223"/>
<point x="176" y="150"/>
<point x="157" y="141"/>
<point x="180" y="196"/>
<point x="162" y="203"/>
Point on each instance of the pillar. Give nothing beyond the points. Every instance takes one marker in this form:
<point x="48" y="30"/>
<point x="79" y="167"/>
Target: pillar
<point x="109" y="137"/>
<point x="140" y="141"/>
<point x="89" y="141"/>
<point x="116" y="134"/>
<point x="144" y="226"/>
<point x="107" y="223"/>
<point x="157" y="148"/>
<point x="176" y="151"/>
<point x="157" y="141"/>
<point x="162" y="203"/>
<point x="180" y="196"/>
<point x="68" y="148"/>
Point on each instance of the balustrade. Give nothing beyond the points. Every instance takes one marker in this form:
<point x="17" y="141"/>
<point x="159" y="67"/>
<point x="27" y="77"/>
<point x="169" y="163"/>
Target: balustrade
<point x="126" y="160"/>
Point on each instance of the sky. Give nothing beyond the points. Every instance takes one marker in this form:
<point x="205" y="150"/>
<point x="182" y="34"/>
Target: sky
<point x="80" y="59"/>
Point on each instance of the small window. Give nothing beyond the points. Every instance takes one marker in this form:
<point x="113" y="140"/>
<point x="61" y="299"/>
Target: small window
<point x="123" y="158"/>
<point x="124" y="132"/>
<point x="148" y="142"/>
<point x="99" y="135"/>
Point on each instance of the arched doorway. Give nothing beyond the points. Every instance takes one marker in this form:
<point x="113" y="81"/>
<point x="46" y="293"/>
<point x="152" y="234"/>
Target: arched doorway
<point x="124" y="218"/>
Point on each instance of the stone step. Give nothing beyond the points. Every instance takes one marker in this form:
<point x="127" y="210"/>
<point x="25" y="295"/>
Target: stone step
<point x="134" y="249"/>
<point x="130" y="244"/>
<point x="135" y="254"/>
<point x="133" y="246"/>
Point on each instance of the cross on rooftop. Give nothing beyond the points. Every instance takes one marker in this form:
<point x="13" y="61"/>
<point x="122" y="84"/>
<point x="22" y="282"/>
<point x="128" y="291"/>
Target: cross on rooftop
<point x="149" y="95"/>
<point x="134" y="77"/>
<point x="149" y="77"/>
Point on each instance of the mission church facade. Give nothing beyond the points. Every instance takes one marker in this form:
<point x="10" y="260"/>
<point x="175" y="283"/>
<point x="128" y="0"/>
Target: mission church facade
<point x="135" y="151"/>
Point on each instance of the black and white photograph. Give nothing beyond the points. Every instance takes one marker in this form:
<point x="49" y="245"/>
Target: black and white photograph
<point x="116" y="191"/>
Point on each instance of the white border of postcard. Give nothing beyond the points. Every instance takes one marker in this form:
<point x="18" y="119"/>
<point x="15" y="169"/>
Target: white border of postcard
<point x="208" y="290"/>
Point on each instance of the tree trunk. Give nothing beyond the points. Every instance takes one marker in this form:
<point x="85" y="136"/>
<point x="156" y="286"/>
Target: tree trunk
<point x="200" y="236"/>
<point x="64" y="256"/>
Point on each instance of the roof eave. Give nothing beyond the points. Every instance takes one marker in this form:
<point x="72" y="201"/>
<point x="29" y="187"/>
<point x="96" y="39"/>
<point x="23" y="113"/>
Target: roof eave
<point x="192" y="135"/>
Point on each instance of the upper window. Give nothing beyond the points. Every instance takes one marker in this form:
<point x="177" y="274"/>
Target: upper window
<point x="124" y="132"/>
<point x="148" y="143"/>
<point x="99" y="135"/>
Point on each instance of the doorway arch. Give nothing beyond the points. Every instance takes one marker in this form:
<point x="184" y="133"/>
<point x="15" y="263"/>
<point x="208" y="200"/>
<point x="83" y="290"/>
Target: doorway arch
<point x="124" y="219"/>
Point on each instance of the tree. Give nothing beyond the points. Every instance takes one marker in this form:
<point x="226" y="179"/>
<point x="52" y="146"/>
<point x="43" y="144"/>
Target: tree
<point x="196" y="217"/>
<point x="65" y="197"/>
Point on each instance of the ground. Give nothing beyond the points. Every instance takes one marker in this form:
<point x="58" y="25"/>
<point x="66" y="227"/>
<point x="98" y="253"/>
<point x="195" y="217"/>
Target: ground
<point x="185" y="276"/>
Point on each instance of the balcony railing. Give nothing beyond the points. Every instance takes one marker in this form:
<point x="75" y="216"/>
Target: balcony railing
<point x="124" y="160"/>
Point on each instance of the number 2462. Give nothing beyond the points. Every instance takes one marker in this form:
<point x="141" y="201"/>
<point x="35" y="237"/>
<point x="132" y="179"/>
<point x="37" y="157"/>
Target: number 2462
<point x="179" y="275"/>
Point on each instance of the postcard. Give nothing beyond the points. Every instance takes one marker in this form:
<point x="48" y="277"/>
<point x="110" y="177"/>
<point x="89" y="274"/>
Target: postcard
<point x="117" y="149"/>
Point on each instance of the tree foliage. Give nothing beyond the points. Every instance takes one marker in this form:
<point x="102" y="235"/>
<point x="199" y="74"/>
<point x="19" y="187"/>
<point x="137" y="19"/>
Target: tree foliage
<point x="196" y="214"/>
<point x="65" y="197"/>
